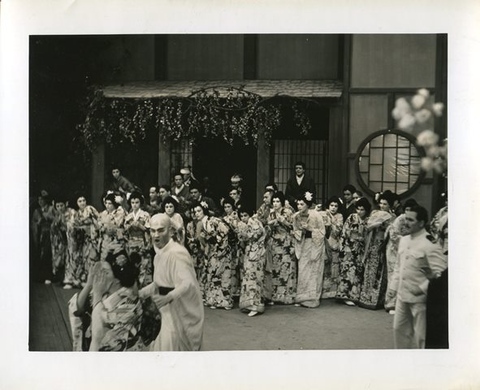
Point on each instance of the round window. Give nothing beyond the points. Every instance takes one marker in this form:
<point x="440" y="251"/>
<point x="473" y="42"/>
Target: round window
<point x="389" y="160"/>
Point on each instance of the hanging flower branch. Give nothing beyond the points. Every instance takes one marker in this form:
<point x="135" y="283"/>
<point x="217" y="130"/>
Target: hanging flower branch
<point x="227" y="112"/>
<point x="416" y="115"/>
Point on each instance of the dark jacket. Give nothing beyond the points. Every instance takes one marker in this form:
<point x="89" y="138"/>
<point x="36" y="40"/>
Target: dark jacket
<point x="293" y="192"/>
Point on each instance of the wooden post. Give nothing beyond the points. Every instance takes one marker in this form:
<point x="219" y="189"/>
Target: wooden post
<point x="98" y="176"/>
<point x="263" y="166"/>
<point x="163" y="161"/>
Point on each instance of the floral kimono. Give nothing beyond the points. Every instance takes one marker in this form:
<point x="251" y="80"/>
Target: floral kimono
<point x="116" y="322"/>
<point x="195" y="249"/>
<point x="82" y="245"/>
<point x="309" y="233"/>
<point x="238" y="251"/>
<point x="332" y="264"/>
<point x="251" y="291"/>
<point x="352" y="246"/>
<point x="218" y="284"/>
<point x="372" y="294"/>
<point x="281" y="257"/>
<point x="41" y="222"/>
<point x="111" y="227"/>
<point x="439" y="228"/>
<point x="58" y="238"/>
<point x="138" y="241"/>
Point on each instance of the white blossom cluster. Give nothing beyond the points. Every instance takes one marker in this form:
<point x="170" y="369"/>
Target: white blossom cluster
<point x="416" y="113"/>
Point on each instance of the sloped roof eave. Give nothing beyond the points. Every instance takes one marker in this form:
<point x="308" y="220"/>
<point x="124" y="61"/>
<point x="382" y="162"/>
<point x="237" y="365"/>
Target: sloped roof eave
<point x="265" y="88"/>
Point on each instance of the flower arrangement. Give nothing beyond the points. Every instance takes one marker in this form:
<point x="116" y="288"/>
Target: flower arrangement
<point x="417" y="116"/>
<point x="308" y="196"/>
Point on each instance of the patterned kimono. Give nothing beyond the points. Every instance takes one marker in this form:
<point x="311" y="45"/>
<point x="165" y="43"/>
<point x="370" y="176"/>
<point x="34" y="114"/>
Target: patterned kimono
<point x="352" y="246"/>
<point x="332" y="263"/>
<point x="238" y="251"/>
<point x="311" y="254"/>
<point x="218" y="284"/>
<point x="372" y="294"/>
<point x="195" y="249"/>
<point x="281" y="256"/>
<point x="116" y="322"/>
<point x="138" y="241"/>
<point x="393" y="234"/>
<point x="111" y="227"/>
<point x="251" y="292"/>
<point x="58" y="238"/>
<point x="41" y="221"/>
<point x="82" y="245"/>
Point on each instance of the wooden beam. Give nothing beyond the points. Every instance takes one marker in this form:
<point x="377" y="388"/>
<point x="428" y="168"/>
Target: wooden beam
<point x="164" y="164"/>
<point x="263" y="167"/>
<point x="98" y="176"/>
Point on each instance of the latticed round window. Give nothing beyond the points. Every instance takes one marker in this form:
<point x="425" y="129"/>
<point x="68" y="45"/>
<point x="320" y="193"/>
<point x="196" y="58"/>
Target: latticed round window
<point x="389" y="160"/>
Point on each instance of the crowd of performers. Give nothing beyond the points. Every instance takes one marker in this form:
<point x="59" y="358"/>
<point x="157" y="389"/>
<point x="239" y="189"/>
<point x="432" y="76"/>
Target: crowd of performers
<point x="280" y="253"/>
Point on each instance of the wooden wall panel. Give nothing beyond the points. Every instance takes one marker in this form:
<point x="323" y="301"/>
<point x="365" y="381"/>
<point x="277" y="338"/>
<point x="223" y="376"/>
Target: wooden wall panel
<point x="393" y="60"/>
<point x="368" y="113"/>
<point x="205" y="57"/>
<point x="298" y="56"/>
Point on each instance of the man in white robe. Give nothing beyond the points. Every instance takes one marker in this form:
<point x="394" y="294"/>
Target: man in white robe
<point x="175" y="290"/>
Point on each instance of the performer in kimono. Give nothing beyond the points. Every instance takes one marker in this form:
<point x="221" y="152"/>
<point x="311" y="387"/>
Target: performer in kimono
<point x="170" y="206"/>
<point x="334" y="226"/>
<point x="175" y="290"/>
<point x="42" y="254"/>
<point x="214" y="240"/>
<point x="231" y="218"/>
<point x="352" y="246"/>
<point x="58" y="237"/>
<point x="82" y="243"/>
<point x="136" y="227"/>
<point x="281" y="251"/>
<point x="372" y="294"/>
<point x="250" y="231"/>
<point x="195" y="242"/>
<point x="110" y="223"/>
<point x="309" y="233"/>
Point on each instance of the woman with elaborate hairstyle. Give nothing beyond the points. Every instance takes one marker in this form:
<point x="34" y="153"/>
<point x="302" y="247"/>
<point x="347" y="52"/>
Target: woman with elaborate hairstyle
<point x="82" y="243"/>
<point x="218" y="288"/>
<point x="352" y="246"/>
<point x="372" y="294"/>
<point x="231" y="218"/>
<point x="170" y="206"/>
<point x="41" y="223"/>
<point x="58" y="236"/>
<point x="136" y="225"/>
<point x="334" y="226"/>
<point x="309" y="233"/>
<point x="195" y="242"/>
<point x="251" y="232"/>
<point x="281" y="252"/>
<point x="111" y="221"/>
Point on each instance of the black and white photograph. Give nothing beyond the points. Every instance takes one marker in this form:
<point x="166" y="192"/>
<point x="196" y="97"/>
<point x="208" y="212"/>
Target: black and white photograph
<point x="269" y="194"/>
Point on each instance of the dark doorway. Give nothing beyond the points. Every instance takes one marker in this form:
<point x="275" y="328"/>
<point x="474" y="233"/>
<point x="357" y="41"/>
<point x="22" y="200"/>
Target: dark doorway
<point x="217" y="160"/>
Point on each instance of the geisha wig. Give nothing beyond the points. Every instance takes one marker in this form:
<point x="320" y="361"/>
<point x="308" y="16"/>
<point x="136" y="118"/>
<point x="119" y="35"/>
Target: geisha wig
<point x="363" y="202"/>
<point x="388" y="197"/>
<point x="229" y="200"/>
<point x="125" y="271"/>
<point x="307" y="197"/>
<point x="203" y="205"/>
<point x="136" y="195"/>
<point x="169" y="200"/>
<point x="111" y="197"/>
<point x="333" y="199"/>
<point x="280" y="196"/>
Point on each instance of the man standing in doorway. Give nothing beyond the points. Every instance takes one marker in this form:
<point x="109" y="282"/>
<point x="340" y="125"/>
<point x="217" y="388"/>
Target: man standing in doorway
<point x="175" y="291"/>
<point x="419" y="260"/>
<point x="297" y="186"/>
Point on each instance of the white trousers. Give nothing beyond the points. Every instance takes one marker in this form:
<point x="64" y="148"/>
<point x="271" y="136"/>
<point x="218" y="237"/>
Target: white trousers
<point x="409" y="325"/>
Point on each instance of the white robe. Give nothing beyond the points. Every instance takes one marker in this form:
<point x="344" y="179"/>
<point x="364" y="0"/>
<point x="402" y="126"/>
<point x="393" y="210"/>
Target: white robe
<point x="182" y="318"/>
